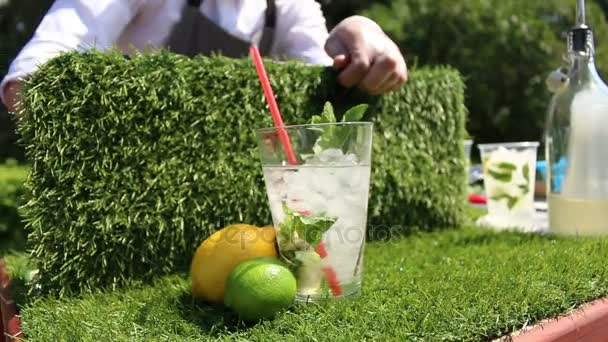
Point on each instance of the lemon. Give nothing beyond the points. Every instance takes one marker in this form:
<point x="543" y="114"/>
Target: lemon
<point x="222" y="251"/>
<point x="259" y="288"/>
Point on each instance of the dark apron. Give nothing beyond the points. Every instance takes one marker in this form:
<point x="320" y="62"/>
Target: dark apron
<point x="196" y="34"/>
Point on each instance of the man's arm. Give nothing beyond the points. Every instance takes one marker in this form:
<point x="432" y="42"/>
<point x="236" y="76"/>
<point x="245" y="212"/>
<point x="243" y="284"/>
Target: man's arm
<point x="11" y="93"/>
<point x="368" y="57"/>
<point x="68" y="25"/>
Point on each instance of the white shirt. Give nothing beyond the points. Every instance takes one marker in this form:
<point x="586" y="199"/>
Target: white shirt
<point x="300" y="31"/>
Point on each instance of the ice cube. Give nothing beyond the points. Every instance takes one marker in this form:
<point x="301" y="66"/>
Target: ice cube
<point x="333" y="157"/>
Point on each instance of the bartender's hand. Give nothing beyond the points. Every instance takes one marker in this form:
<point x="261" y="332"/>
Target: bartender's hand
<point x="11" y="93"/>
<point x="368" y="57"/>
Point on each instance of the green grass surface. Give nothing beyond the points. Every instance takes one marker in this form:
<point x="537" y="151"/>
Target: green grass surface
<point x="468" y="284"/>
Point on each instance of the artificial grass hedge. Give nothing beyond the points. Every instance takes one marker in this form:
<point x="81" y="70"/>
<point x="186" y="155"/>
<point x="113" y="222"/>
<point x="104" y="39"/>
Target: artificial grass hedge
<point x="135" y="161"/>
<point x="452" y="285"/>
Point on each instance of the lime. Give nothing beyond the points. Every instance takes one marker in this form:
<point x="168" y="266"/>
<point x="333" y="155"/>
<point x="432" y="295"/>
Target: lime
<point x="259" y="288"/>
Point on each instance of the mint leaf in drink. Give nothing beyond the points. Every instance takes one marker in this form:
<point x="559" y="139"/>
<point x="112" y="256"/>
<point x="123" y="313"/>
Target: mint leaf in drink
<point x="313" y="227"/>
<point x="343" y="134"/>
<point x="526" y="172"/>
<point x="298" y="228"/>
<point x="511" y="202"/>
<point x="288" y="228"/>
<point x="500" y="196"/>
<point x="335" y="136"/>
<point x="327" y="116"/>
<point x="506" y="166"/>
<point x="355" y="113"/>
<point x="524" y="188"/>
<point x="504" y="177"/>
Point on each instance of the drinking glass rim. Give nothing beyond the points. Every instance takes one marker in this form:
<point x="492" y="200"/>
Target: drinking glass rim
<point x="291" y="127"/>
<point x="510" y="144"/>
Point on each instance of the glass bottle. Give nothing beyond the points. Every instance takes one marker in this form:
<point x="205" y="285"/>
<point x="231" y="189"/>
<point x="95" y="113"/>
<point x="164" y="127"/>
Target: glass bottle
<point x="576" y="139"/>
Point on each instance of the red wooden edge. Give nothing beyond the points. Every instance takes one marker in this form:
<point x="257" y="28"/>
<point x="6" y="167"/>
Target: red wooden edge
<point x="2" y="339"/>
<point x="9" y="322"/>
<point x="587" y="323"/>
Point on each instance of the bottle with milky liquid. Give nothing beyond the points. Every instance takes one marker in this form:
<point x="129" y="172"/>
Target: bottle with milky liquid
<point x="577" y="140"/>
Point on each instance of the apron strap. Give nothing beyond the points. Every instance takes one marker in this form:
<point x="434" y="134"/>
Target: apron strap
<point x="270" y="21"/>
<point x="271" y="14"/>
<point x="270" y="18"/>
<point x="184" y="38"/>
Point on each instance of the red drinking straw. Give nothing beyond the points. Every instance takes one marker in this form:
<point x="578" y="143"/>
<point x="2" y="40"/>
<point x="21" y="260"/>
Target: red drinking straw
<point x="332" y="281"/>
<point x="330" y="273"/>
<point x="321" y="250"/>
<point x="272" y="104"/>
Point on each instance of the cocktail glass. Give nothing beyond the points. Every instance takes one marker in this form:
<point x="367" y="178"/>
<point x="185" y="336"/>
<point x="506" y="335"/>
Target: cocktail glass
<point x="319" y="203"/>
<point x="509" y="176"/>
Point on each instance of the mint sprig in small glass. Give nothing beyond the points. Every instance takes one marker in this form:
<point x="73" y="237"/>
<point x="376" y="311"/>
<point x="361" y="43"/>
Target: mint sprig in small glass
<point x="503" y="172"/>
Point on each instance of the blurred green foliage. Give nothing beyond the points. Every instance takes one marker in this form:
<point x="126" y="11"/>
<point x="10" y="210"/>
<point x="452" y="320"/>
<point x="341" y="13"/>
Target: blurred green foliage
<point x="504" y="49"/>
<point x="12" y="179"/>
<point x="604" y="5"/>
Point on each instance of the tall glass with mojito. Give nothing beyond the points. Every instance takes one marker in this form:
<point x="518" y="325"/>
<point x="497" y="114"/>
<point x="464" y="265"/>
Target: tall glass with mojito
<point x="319" y="203"/>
